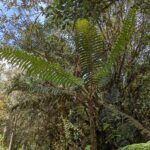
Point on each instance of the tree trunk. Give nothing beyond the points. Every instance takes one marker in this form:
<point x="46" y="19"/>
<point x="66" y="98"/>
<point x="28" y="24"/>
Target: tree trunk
<point x="11" y="141"/>
<point x="93" y="133"/>
<point x="23" y="147"/>
<point x="92" y="124"/>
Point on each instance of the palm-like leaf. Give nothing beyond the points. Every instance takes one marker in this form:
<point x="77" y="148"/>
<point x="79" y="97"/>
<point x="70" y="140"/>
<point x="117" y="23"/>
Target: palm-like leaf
<point x="24" y="83"/>
<point x="37" y="66"/>
<point x="121" y="41"/>
<point x="89" y="46"/>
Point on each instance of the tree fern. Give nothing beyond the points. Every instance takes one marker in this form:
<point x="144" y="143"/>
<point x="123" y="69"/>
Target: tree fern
<point x="33" y="65"/>
<point x="121" y="41"/>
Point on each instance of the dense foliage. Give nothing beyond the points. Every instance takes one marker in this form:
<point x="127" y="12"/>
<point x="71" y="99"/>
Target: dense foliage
<point x="80" y="78"/>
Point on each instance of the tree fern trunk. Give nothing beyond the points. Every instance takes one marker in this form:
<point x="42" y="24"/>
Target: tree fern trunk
<point x="93" y="136"/>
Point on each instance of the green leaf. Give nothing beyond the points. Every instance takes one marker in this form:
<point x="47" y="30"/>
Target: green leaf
<point x="122" y="40"/>
<point x="89" y="45"/>
<point x="106" y="126"/>
<point x="88" y="147"/>
<point x="39" y="67"/>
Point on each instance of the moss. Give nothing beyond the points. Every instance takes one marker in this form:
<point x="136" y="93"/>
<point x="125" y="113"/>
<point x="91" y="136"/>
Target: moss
<point x="140" y="146"/>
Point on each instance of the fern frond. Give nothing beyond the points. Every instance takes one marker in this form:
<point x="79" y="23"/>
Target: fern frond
<point x="33" y="65"/>
<point x="27" y="84"/>
<point x="121" y="41"/>
<point x="89" y="45"/>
